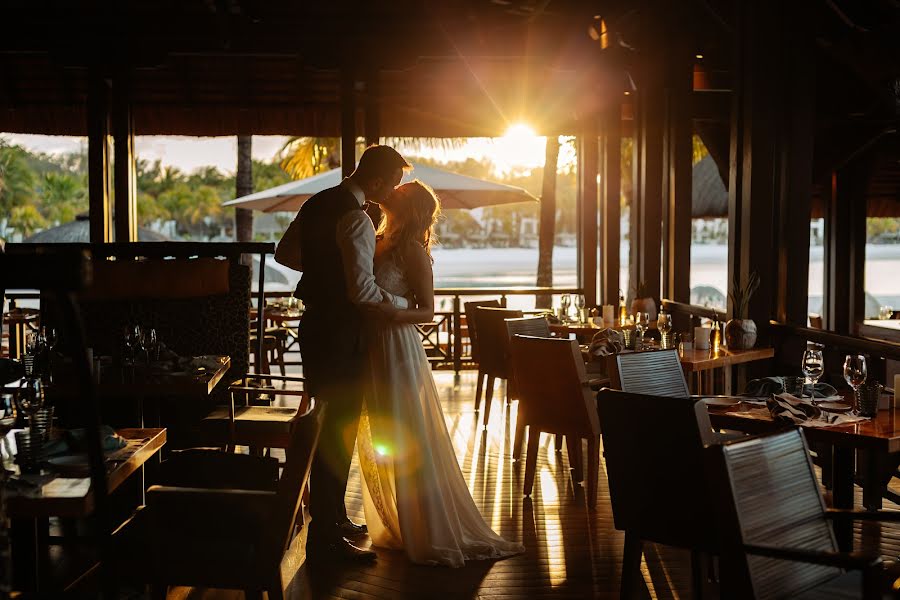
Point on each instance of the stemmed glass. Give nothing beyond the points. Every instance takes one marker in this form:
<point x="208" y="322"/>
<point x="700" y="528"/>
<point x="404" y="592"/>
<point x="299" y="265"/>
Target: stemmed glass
<point x="664" y="324"/>
<point x="812" y="366"/>
<point x="31" y="397"/>
<point x="579" y="306"/>
<point x="565" y="301"/>
<point x="855" y="374"/>
<point x="152" y="346"/>
<point x="50" y="337"/>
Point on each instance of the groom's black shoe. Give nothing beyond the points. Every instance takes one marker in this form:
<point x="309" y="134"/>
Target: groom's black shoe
<point x="350" y="529"/>
<point x="342" y="550"/>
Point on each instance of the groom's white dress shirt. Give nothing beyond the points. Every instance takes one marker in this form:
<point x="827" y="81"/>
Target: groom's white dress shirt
<point x="356" y="240"/>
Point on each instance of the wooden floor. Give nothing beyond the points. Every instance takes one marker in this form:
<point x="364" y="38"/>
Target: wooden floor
<point x="571" y="552"/>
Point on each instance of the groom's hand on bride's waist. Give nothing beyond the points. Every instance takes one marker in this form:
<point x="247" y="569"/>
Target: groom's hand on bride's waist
<point x="379" y="310"/>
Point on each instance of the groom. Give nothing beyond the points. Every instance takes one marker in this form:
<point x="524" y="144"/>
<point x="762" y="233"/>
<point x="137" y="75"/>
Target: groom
<point x="332" y="242"/>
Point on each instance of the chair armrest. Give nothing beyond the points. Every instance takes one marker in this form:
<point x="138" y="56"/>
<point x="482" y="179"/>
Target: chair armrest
<point x="843" y="560"/>
<point x="862" y="515"/>
<point x="210" y="511"/>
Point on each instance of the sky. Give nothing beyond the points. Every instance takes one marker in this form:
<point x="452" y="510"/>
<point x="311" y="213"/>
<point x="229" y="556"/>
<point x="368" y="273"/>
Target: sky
<point x="520" y="148"/>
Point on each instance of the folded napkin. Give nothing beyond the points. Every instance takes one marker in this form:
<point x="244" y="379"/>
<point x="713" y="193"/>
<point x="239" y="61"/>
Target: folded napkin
<point x="785" y="407"/>
<point x="606" y="342"/>
<point x="210" y="363"/>
<point x="767" y="386"/>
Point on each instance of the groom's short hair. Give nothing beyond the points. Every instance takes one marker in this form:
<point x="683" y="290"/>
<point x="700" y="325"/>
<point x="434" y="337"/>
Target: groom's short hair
<point x="379" y="161"/>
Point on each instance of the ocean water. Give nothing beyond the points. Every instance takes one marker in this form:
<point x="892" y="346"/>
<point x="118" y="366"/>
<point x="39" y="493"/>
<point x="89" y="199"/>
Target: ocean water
<point x="517" y="267"/>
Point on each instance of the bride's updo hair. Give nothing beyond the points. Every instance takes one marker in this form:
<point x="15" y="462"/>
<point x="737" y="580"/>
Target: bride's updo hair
<point x="416" y="209"/>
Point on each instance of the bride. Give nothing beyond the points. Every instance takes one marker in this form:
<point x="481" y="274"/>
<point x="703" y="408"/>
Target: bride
<point x="414" y="494"/>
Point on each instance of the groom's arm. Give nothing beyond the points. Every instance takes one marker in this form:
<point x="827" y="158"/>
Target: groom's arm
<point x="287" y="252"/>
<point x="356" y="240"/>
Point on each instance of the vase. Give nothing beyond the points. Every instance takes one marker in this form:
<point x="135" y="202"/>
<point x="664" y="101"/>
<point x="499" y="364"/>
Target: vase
<point x="644" y="305"/>
<point x="740" y="334"/>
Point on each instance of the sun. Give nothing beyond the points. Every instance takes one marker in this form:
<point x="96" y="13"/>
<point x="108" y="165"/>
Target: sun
<point x="518" y="147"/>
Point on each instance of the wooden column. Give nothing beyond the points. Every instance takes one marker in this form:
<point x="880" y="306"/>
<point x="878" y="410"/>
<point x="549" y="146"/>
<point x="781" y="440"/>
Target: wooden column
<point x="587" y="182"/>
<point x="677" y="174"/>
<point x="125" y="216"/>
<point x="795" y="167"/>
<point x="348" y="121"/>
<point x="845" y="247"/>
<point x="372" y="110"/>
<point x="610" y="193"/>
<point x="771" y="158"/>
<point x="647" y="224"/>
<point x="98" y="159"/>
<point x="751" y="190"/>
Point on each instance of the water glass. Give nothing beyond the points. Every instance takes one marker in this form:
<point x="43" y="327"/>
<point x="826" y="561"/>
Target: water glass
<point x="565" y="301"/>
<point x="855" y="373"/>
<point x="42" y="423"/>
<point x="29" y="446"/>
<point x="664" y="323"/>
<point x="813" y="365"/>
<point x="867" y="397"/>
<point x="793" y="385"/>
<point x="579" y="302"/>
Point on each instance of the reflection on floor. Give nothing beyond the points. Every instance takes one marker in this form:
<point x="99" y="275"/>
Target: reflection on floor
<point x="571" y="552"/>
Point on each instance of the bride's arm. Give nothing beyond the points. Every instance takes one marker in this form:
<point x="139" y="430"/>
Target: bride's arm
<point x="421" y="279"/>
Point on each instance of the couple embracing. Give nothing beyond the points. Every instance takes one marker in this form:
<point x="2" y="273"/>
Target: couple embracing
<point x="362" y="354"/>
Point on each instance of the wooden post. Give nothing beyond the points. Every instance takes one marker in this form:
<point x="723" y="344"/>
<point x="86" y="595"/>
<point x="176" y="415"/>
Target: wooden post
<point x="125" y="171"/>
<point x="98" y="159"/>
<point x="647" y="230"/>
<point x="589" y="210"/>
<point x="348" y="121"/>
<point x="677" y="174"/>
<point x="845" y="247"/>
<point x="372" y="111"/>
<point x="611" y="194"/>
<point x="795" y="168"/>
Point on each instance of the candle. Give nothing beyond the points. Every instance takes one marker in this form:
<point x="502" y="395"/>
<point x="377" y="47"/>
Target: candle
<point x="701" y="338"/>
<point x="609" y="315"/>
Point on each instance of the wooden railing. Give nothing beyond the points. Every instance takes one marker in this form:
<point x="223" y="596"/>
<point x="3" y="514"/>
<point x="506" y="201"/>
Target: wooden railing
<point x="790" y="341"/>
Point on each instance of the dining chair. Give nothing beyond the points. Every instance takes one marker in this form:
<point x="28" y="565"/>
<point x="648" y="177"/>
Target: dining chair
<point x="219" y="538"/>
<point x="263" y="412"/>
<point x="776" y="534"/>
<point x="493" y="352"/>
<point x="656" y="373"/>
<point x="555" y="397"/>
<point x="472" y="327"/>
<point x="653" y="452"/>
<point x="538" y="327"/>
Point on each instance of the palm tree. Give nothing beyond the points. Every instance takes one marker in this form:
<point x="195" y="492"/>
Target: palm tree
<point x="547" y="231"/>
<point x="306" y="156"/>
<point x="243" y="217"/>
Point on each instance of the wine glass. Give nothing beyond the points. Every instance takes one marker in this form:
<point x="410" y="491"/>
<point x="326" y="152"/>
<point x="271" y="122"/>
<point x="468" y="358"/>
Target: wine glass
<point x="812" y="366"/>
<point x="565" y="301"/>
<point x="152" y="346"/>
<point x="137" y="341"/>
<point x="579" y="306"/>
<point x="31" y="396"/>
<point x="51" y="337"/>
<point x="664" y="324"/>
<point x="855" y="373"/>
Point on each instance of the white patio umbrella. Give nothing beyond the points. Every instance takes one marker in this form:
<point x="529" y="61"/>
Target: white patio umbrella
<point x="454" y="190"/>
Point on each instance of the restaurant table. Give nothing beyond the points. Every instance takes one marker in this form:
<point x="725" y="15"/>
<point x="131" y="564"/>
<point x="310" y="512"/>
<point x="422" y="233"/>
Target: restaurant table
<point x="885" y="323"/>
<point x="286" y="319"/>
<point x="64" y="496"/>
<point x="19" y="321"/>
<point x="871" y="447"/>
<point x="584" y="332"/>
<point x="703" y="362"/>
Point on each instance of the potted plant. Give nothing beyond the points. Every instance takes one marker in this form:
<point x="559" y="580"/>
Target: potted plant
<point x="740" y="332"/>
<point x="643" y="302"/>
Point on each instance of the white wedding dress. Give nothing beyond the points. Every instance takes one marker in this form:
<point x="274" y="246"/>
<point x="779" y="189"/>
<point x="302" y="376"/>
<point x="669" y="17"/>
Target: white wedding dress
<point x="414" y="494"/>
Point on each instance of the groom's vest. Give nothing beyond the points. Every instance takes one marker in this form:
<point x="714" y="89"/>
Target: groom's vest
<point x="322" y="286"/>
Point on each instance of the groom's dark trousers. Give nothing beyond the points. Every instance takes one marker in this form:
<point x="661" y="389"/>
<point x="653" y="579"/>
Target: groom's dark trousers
<point x="331" y="345"/>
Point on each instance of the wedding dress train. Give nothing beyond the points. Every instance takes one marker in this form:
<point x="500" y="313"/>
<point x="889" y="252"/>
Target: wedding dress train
<point x="414" y="493"/>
